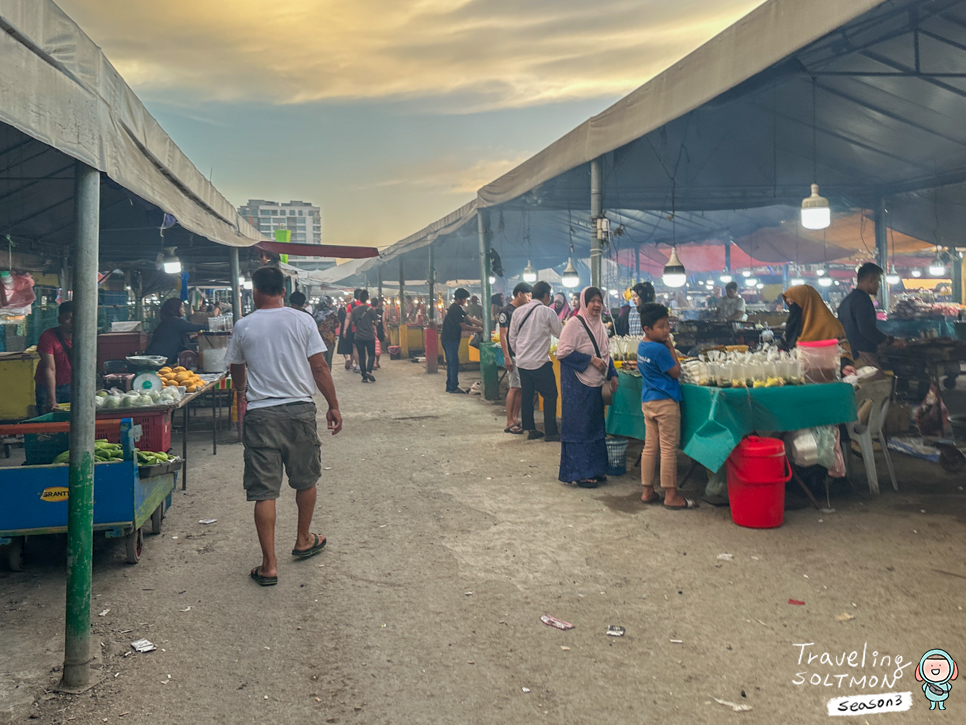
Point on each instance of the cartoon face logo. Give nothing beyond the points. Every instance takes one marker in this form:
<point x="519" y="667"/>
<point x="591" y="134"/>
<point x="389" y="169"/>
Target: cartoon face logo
<point x="936" y="671"/>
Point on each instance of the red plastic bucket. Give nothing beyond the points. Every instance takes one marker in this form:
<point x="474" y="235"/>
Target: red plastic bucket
<point x="757" y="472"/>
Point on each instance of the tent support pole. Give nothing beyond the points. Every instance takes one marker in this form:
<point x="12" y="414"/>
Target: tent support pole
<point x="483" y="232"/>
<point x="379" y="280"/>
<point x="80" y="497"/>
<point x="431" y="338"/>
<point x="727" y="247"/>
<point x="488" y="377"/>
<point x="882" y="250"/>
<point x="596" y="211"/>
<point x="637" y="264"/>
<point x="402" y="292"/>
<point x="236" y="308"/>
<point x="957" y="276"/>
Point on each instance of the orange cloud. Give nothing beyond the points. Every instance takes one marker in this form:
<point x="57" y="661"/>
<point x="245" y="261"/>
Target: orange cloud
<point x="488" y="53"/>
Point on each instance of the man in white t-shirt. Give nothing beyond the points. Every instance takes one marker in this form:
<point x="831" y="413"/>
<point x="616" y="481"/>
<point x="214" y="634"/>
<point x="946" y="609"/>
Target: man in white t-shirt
<point x="530" y="331"/>
<point x="277" y="359"/>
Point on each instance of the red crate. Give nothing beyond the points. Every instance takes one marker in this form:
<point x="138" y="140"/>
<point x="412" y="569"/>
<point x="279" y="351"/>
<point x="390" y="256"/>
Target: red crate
<point x="155" y="428"/>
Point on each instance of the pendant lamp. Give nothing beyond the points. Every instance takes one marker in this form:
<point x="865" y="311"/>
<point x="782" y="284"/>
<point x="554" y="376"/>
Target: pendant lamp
<point x="892" y="277"/>
<point x="816" y="213"/>
<point x="570" y="277"/>
<point x="674" y="272"/>
<point x="529" y="273"/>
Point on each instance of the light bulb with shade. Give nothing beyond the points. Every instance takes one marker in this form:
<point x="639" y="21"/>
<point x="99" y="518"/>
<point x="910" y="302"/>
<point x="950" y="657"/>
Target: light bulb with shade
<point x="529" y="273"/>
<point x="892" y="277"/>
<point x="819" y="272"/>
<point x="917" y="273"/>
<point x="726" y="278"/>
<point x="492" y="279"/>
<point x="825" y="281"/>
<point x="751" y="281"/>
<point x="570" y="278"/>
<point x="816" y="213"/>
<point x="937" y="268"/>
<point x="172" y="265"/>
<point x="746" y="273"/>
<point x="674" y="273"/>
<point x="796" y="281"/>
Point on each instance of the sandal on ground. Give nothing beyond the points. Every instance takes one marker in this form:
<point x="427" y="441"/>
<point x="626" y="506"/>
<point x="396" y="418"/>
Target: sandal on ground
<point x="587" y="483"/>
<point x="688" y="504"/>
<point x="312" y="550"/>
<point x="261" y="580"/>
<point x="515" y="429"/>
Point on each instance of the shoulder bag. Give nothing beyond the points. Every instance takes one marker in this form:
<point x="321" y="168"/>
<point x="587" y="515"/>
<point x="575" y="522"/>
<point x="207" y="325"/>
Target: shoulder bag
<point x="605" y="391"/>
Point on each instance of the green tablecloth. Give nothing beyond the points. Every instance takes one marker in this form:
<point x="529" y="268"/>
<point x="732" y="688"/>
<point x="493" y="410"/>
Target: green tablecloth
<point x="714" y="420"/>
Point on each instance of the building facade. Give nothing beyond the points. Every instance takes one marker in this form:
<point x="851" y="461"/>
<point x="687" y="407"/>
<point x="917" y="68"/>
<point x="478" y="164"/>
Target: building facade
<point x="302" y="219"/>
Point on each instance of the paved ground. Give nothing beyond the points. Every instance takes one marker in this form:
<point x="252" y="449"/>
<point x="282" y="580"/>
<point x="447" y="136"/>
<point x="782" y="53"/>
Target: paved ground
<point x="448" y="539"/>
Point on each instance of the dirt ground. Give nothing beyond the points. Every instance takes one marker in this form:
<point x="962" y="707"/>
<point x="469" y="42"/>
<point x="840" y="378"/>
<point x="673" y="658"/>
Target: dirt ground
<point x="448" y="539"/>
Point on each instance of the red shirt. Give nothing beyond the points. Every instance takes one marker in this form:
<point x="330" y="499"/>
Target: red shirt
<point x="49" y="342"/>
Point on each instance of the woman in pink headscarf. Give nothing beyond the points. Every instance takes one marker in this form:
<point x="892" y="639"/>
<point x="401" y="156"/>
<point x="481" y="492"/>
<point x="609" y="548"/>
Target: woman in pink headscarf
<point x="585" y="367"/>
<point x="561" y="306"/>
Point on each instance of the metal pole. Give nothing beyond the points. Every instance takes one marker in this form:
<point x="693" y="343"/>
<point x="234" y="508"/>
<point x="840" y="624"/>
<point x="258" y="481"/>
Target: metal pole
<point x="80" y="495"/>
<point x="882" y="250"/>
<point x="957" y="276"/>
<point x="236" y="308"/>
<point x="483" y="232"/>
<point x="402" y="293"/>
<point x="431" y="281"/>
<point x="637" y="264"/>
<point x="379" y="279"/>
<point x="596" y="211"/>
<point x="727" y="247"/>
<point x="430" y="336"/>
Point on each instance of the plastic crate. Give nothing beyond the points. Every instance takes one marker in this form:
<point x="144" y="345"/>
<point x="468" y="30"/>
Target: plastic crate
<point x="42" y="448"/>
<point x="155" y="428"/>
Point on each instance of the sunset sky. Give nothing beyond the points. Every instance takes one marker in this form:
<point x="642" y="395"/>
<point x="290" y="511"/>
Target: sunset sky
<point x="386" y="113"/>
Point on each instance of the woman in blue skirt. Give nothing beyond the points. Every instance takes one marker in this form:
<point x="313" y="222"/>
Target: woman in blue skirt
<point x="585" y="368"/>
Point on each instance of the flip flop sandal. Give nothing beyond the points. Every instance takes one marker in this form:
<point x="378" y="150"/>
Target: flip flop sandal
<point x="587" y="483"/>
<point x="689" y="504"/>
<point x="514" y="429"/>
<point x="312" y="550"/>
<point x="263" y="581"/>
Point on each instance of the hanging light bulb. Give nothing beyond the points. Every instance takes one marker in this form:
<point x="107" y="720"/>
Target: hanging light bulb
<point x="816" y="213"/>
<point x="529" y="273"/>
<point x="892" y="277"/>
<point x="751" y="281"/>
<point x="674" y="272"/>
<point x="937" y="267"/>
<point x="825" y="281"/>
<point x="796" y="281"/>
<point x="492" y="279"/>
<point x="917" y="273"/>
<point x="172" y="265"/>
<point x="726" y="278"/>
<point x="820" y="272"/>
<point x="570" y="277"/>
<point x="746" y="273"/>
<point x="760" y="285"/>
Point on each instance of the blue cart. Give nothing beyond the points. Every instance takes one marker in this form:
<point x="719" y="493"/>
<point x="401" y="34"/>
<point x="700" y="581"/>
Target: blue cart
<point x="126" y="497"/>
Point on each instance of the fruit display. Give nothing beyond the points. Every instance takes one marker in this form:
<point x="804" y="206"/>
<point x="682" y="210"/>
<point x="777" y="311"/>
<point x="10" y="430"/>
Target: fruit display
<point x="105" y="452"/>
<point x="181" y="377"/>
<point x="116" y="399"/>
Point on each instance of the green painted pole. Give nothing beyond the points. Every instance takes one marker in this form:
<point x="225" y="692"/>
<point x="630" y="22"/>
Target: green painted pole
<point x="80" y="496"/>
<point x="489" y="379"/>
<point x="236" y="308"/>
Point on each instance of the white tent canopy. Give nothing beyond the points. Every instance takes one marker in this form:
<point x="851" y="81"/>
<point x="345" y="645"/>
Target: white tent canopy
<point x="59" y="89"/>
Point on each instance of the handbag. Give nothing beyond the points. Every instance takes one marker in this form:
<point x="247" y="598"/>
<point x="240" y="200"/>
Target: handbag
<point x="605" y="391"/>
<point x="476" y="340"/>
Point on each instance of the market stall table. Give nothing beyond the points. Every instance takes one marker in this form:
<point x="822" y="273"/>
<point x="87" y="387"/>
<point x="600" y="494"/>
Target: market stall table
<point x="714" y="420"/>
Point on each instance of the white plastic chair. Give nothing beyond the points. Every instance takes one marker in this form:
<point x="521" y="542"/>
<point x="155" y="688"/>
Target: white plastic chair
<point x="879" y="392"/>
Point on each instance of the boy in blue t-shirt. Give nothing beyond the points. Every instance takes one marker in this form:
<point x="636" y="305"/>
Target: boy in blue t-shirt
<point x="657" y="362"/>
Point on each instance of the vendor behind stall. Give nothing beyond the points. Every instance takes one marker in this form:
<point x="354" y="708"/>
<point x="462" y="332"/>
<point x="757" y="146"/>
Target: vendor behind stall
<point x="53" y="373"/>
<point x="857" y="315"/>
<point x="810" y="320"/>
<point x="168" y="339"/>
<point x="731" y="307"/>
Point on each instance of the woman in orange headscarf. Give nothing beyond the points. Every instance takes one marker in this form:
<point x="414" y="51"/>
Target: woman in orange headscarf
<point x="810" y="320"/>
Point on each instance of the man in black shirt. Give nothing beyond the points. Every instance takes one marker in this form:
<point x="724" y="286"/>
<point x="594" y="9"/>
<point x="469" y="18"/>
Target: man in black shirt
<point x="453" y="326"/>
<point x="521" y="295"/>
<point x="857" y="315"/>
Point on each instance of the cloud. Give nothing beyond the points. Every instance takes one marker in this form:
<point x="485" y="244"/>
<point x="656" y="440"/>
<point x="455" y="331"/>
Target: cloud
<point x="450" y="174"/>
<point x="487" y="53"/>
